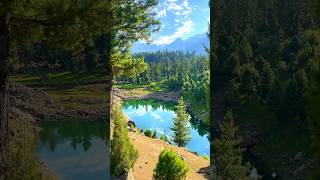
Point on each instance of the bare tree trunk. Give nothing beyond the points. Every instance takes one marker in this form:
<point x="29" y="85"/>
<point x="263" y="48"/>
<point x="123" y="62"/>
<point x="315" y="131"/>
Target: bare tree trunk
<point x="107" y="39"/>
<point x="4" y="76"/>
<point x="109" y="92"/>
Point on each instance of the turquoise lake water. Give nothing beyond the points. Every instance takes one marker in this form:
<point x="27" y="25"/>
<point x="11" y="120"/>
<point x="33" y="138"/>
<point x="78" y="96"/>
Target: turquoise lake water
<point x="157" y="115"/>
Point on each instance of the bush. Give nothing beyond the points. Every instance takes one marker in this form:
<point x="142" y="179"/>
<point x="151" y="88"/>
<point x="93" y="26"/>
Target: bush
<point x="164" y="137"/>
<point x="123" y="155"/>
<point x="154" y="134"/>
<point x="148" y="133"/>
<point x="170" y="166"/>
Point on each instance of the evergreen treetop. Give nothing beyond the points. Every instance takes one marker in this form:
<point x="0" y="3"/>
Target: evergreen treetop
<point x="181" y="126"/>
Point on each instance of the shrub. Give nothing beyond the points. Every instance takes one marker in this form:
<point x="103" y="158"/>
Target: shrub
<point x="148" y="133"/>
<point x="164" y="137"/>
<point x="154" y="134"/>
<point x="206" y="157"/>
<point x="123" y="155"/>
<point x="170" y="166"/>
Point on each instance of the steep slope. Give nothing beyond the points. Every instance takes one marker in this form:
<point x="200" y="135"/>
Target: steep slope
<point x="149" y="150"/>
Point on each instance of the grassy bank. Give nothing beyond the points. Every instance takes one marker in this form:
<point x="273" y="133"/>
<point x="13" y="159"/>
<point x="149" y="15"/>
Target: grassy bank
<point x="62" y="78"/>
<point x="85" y="89"/>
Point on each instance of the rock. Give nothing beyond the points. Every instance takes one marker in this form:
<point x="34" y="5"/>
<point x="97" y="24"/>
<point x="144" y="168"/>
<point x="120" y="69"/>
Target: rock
<point x="300" y="170"/>
<point x="274" y="175"/>
<point x="303" y="168"/>
<point x="254" y="174"/>
<point x="131" y="124"/>
<point x="298" y="156"/>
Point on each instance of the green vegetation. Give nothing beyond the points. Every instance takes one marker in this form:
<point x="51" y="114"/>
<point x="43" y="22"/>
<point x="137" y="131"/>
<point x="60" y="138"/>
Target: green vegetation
<point x="206" y="157"/>
<point x="170" y="166"/>
<point x="263" y="69"/>
<point x="228" y="154"/>
<point x="153" y="86"/>
<point x="148" y="133"/>
<point x="154" y="134"/>
<point x="313" y="98"/>
<point x="181" y="128"/>
<point x="34" y="39"/>
<point x="174" y="71"/>
<point x="63" y="78"/>
<point x="123" y="155"/>
<point x="164" y="138"/>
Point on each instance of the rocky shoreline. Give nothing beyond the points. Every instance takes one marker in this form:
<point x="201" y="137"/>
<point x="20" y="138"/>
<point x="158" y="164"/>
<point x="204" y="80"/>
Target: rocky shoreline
<point x="42" y="107"/>
<point x="172" y="96"/>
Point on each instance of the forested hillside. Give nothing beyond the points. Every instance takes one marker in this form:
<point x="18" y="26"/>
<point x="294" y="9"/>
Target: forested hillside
<point x="267" y="58"/>
<point x="175" y="71"/>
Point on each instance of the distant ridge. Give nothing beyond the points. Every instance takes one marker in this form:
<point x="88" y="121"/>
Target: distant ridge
<point x="193" y="44"/>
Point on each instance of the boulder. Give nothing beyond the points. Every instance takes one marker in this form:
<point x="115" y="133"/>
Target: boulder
<point x="298" y="156"/>
<point x="127" y="176"/>
<point x="131" y="124"/>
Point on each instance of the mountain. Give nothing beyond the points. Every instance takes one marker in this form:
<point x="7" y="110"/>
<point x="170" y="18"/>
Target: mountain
<point x="195" y="43"/>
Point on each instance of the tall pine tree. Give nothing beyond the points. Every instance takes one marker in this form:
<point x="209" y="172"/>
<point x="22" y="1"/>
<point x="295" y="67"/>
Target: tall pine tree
<point x="181" y="127"/>
<point x="228" y="154"/>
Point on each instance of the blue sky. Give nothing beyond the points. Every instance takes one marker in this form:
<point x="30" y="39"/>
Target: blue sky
<point x="181" y="19"/>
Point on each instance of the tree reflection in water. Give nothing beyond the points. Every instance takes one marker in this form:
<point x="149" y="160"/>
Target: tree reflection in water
<point x="79" y="133"/>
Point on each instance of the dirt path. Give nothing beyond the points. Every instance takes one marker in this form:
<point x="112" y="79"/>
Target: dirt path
<point x="149" y="150"/>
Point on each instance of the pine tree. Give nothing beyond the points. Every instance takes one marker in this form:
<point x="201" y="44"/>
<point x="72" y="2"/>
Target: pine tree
<point x="51" y="21"/>
<point x="313" y="104"/>
<point x="181" y="127"/>
<point x="228" y="155"/>
<point x="123" y="155"/>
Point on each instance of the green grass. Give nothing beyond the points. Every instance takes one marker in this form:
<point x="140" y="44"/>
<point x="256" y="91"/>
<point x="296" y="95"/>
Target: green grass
<point x="61" y="78"/>
<point x="76" y="93"/>
<point x="153" y="86"/>
<point x="62" y="86"/>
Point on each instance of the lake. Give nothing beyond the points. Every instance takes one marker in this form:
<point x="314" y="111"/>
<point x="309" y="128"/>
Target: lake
<point x="74" y="149"/>
<point x="158" y="115"/>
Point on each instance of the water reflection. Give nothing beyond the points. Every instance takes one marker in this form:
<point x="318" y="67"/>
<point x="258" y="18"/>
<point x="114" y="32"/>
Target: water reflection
<point x="157" y="115"/>
<point x="74" y="149"/>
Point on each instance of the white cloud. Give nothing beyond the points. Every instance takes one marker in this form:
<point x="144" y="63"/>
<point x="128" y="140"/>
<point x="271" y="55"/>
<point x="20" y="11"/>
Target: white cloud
<point x="186" y="27"/>
<point x="175" y="7"/>
<point x="162" y="13"/>
<point x="179" y="8"/>
<point x="140" y="112"/>
<point x="156" y="117"/>
<point x="172" y="1"/>
<point x="181" y="24"/>
<point x="187" y="9"/>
